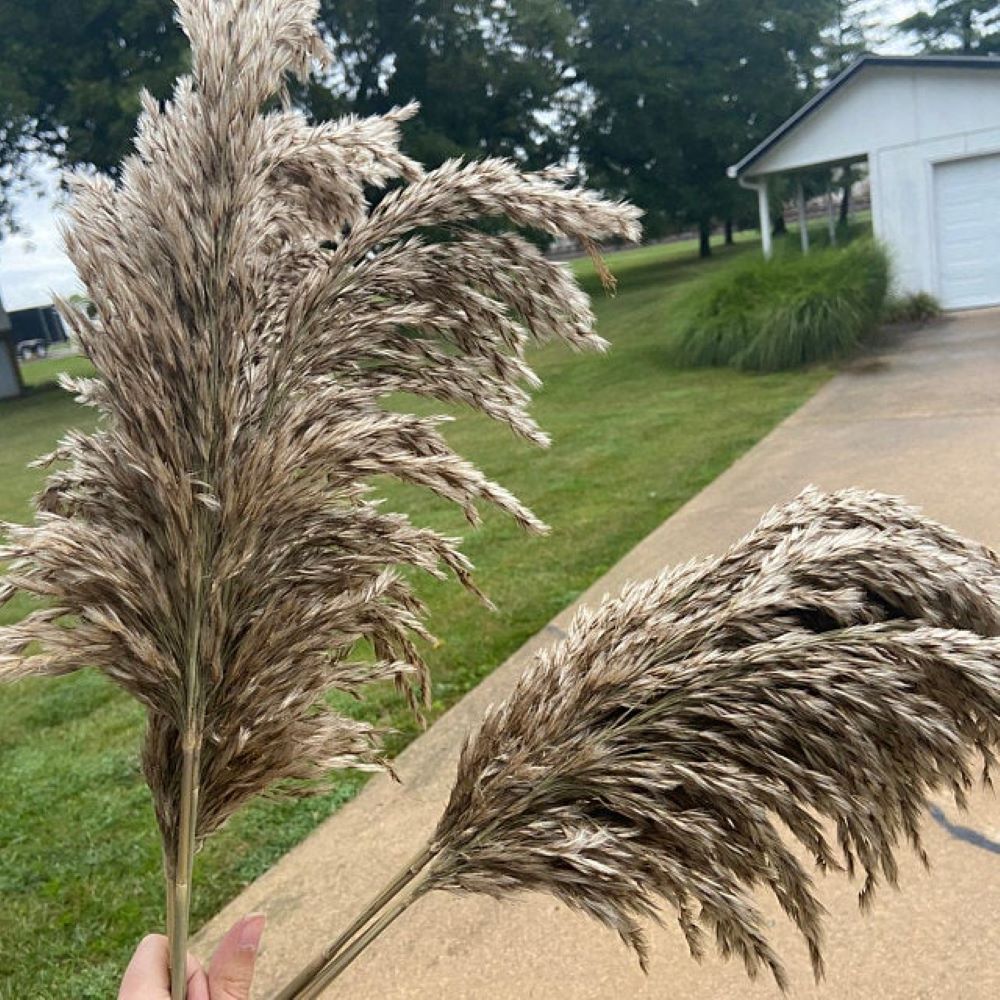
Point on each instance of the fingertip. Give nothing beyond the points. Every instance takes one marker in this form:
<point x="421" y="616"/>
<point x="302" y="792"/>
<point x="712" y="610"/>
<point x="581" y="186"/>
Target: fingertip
<point x="251" y="931"/>
<point x="230" y="973"/>
<point x="148" y="973"/>
<point x="197" y="981"/>
<point x="154" y="945"/>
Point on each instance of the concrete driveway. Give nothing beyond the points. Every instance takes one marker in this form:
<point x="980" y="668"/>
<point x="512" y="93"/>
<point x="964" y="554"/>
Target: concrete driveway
<point x="922" y="418"/>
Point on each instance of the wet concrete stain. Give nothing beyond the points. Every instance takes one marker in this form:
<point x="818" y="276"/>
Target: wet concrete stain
<point x="965" y="833"/>
<point x="868" y="366"/>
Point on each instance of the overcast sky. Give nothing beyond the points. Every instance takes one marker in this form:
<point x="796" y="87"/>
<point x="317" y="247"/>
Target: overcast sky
<point x="33" y="265"/>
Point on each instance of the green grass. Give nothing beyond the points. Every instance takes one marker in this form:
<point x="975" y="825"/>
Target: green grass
<point x="784" y="313"/>
<point x="44" y="373"/>
<point x="634" y="439"/>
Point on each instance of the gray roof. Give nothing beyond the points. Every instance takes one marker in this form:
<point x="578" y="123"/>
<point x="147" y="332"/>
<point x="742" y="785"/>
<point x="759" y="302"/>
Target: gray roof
<point x="937" y="62"/>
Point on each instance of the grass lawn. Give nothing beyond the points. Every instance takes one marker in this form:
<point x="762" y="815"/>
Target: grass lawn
<point x="634" y="439"/>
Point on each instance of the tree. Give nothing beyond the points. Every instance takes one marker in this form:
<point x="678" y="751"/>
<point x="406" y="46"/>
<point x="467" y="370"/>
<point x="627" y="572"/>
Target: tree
<point x="490" y="75"/>
<point x="14" y="148"/>
<point x="968" y="26"/>
<point x="678" y="91"/>
<point x="852" y="32"/>
<point x="70" y="74"/>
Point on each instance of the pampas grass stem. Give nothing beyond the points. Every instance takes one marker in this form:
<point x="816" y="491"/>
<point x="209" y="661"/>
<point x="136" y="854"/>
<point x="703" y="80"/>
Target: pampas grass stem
<point x="180" y="878"/>
<point x="317" y="974"/>
<point x="179" y="882"/>
<point x="339" y="962"/>
<point x="180" y="863"/>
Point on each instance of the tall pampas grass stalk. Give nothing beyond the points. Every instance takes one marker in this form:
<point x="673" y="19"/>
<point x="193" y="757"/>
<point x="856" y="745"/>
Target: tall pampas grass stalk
<point x="814" y="684"/>
<point x="213" y="547"/>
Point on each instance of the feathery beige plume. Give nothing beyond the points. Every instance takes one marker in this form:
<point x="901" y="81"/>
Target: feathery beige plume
<point x="830" y="672"/>
<point x="212" y="546"/>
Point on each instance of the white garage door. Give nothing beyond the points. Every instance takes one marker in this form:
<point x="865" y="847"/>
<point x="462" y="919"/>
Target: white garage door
<point x="967" y="210"/>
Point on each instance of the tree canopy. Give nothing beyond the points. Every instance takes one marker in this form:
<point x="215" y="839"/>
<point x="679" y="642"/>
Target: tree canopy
<point x="654" y="100"/>
<point x="489" y="73"/>
<point x="70" y="74"/>
<point x="851" y="32"/>
<point x="680" y="90"/>
<point x="72" y="70"/>
<point x="968" y="26"/>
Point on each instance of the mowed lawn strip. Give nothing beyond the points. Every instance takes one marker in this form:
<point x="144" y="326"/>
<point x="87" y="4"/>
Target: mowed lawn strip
<point x="633" y="440"/>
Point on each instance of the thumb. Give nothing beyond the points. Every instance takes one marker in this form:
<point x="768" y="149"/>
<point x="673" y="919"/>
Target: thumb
<point x="231" y="971"/>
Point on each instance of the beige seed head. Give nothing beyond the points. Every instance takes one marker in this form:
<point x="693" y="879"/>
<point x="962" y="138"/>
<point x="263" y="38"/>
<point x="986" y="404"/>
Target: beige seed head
<point x="829" y="672"/>
<point x="213" y="547"/>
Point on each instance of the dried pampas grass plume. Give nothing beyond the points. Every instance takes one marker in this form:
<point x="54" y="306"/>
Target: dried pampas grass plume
<point x="212" y="547"/>
<point x="829" y="672"/>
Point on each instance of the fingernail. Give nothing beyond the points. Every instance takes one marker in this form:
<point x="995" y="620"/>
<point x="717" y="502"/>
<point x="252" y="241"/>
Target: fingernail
<point x="250" y="932"/>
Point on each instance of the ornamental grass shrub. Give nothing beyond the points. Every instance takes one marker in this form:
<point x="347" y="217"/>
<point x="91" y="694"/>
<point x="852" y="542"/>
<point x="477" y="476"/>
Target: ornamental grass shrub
<point x="917" y="307"/>
<point x="771" y="315"/>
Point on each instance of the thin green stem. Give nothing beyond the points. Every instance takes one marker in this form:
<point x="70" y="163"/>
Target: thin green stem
<point x="169" y="880"/>
<point x="295" y="990"/>
<point x="181" y="909"/>
<point x="182" y="866"/>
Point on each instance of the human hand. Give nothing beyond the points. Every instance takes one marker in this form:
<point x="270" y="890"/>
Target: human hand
<point x="229" y="975"/>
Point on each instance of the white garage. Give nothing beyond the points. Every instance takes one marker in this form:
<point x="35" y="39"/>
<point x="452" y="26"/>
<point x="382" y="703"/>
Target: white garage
<point x="929" y="129"/>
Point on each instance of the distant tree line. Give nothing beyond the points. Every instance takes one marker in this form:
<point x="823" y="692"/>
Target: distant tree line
<point x="652" y="99"/>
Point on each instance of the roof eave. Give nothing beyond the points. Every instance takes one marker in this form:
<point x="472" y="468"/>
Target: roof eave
<point x="739" y="168"/>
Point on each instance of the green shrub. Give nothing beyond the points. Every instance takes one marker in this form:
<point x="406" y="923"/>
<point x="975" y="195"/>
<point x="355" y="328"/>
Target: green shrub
<point x="783" y="313"/>
<point x="919" y="307"/>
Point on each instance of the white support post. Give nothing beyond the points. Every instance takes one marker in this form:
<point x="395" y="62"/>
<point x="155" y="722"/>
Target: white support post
<point x="803" y="227"/>
<point x="764" y="208"/>
<point x="831" y="216"/>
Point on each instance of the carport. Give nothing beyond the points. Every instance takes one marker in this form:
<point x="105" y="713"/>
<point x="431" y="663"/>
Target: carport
<point x="928" y="128"/>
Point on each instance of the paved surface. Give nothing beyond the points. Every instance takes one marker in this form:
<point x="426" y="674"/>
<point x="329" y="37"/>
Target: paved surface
<point x="921" y="418"/>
